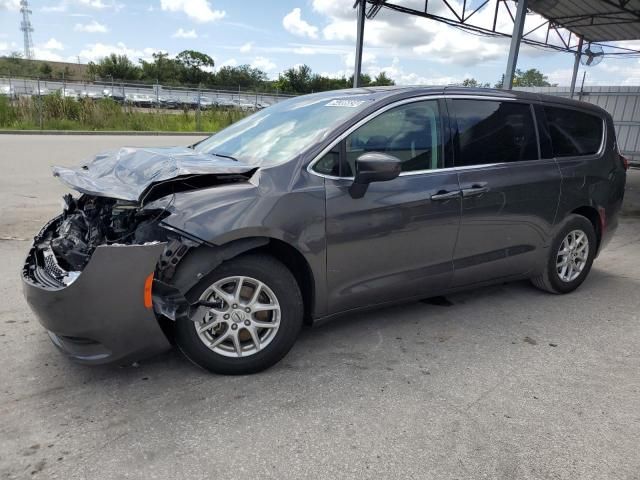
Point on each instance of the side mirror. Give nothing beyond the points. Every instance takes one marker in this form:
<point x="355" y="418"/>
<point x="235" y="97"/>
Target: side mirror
<point x="373" y="167"/>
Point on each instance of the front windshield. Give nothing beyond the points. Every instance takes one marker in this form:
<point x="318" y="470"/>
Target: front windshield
<point x="279" y="133"/>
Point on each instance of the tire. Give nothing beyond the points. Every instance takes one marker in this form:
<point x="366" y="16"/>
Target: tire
<point x="241" y="352"/>
<point x="551" y="280"/>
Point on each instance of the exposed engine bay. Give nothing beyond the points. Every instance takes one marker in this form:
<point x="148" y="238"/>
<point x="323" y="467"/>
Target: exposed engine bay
<point x="91" y="221"/>
<point x="66" y="244"/>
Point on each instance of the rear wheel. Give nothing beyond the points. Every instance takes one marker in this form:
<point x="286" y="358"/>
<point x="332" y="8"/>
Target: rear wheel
<point x="570" y="257"/>
<point x="249" y="316"/>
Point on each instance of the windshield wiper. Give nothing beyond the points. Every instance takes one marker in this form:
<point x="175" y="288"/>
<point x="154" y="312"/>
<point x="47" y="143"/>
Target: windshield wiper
<point x="225" y="156"/>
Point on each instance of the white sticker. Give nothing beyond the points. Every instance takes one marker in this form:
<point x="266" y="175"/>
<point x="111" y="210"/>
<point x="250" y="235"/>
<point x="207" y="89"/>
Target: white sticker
<point x="345" y="103"/>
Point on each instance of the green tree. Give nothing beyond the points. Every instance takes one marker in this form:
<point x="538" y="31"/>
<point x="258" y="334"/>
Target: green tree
<point x="365" y="80"/>
<point x="192" y="64"/>
<point x="472" y="82"/>
<point x="163" y="69"/>
<point x="244" y="76"/>
<point x="117" y="66"/>
<point x="45" y="70"/>
<point x="382" y="80"/>
<point x="296" y="80"/>
<point x="528" y="78"/>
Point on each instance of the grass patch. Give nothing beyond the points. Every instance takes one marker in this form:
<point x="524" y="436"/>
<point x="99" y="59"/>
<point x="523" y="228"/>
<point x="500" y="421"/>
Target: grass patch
<point x="53" y="112"/>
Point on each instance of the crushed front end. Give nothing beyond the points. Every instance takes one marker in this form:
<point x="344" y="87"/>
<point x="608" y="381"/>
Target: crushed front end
<point x="100" y="276"/>
<point x="88" y="278"/>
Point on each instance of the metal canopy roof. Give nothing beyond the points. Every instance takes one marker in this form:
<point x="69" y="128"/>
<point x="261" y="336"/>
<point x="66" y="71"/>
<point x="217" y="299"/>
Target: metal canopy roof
<point x="590" y="21"/>
<point x="594" y="20"/>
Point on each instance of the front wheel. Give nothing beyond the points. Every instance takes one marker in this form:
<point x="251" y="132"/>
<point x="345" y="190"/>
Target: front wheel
<point x="249" y="316"/>
<point x="570" y="257"/>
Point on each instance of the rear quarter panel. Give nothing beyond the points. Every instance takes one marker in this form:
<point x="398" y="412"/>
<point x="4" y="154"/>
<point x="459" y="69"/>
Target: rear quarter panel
<point x="596" y="181"/>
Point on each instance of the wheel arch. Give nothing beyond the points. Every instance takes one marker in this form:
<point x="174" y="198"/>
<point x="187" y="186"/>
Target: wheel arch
<point x="204" y="259"/>
<point x="591" y="214"/>
<point x="295" y="261"/>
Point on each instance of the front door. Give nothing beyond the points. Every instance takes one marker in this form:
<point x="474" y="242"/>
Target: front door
<point x="510" y="195"/>
<point x="397" y="241"/>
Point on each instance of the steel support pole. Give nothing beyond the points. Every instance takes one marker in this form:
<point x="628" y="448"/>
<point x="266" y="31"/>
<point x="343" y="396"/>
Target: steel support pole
<point x="359" y="38"/>
<point x="516" y="37"/>
<point x="576" y="65"/>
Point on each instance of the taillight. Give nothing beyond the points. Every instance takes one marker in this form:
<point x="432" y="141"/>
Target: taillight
<point x="625" y="162"/>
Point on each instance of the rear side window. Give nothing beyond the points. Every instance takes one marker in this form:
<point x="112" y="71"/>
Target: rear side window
<point x="494" y="132"/>
<point x="572" y="132"/>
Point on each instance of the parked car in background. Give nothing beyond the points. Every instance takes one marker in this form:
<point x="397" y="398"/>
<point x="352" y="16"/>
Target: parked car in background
<point x="7" y="90"/>
<point x="42" y="91"/>
<point x="167" y="101"/>
<point x="116" y="94"/>
<point x="69" y="93"/>
<point x="318" y="206"/>
<point x="245" y="105"/>
<point x="226" y="102"/>
<point x="142" y="100"/>
<point x="92" y="94"/>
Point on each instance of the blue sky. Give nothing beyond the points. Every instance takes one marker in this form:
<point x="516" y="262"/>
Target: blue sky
<point x="275" y="35"/>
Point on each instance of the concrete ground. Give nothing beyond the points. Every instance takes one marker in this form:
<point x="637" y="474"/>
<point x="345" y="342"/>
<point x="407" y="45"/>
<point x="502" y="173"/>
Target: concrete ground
<point x="507" y="382"/>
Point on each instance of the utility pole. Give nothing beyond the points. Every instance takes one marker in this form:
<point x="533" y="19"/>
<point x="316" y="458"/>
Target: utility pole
<point x="361" y="5"/>
<point x="27" y="29"/>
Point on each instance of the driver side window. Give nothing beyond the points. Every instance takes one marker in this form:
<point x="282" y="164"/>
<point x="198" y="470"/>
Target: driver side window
<point x="409" y="132"/>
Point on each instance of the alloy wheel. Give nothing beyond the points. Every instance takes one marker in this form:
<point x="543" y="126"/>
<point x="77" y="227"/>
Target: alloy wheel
<point x="572" y="256"/>
<point x="238" y="316"/>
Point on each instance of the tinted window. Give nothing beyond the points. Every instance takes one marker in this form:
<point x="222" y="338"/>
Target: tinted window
<point x="573" y="132"/>
<point x="494" y="132"/>
<point x="330" y="164"/>
<point x="409" y="132"/>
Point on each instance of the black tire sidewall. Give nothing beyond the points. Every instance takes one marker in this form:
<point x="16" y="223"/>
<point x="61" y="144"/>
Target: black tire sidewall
<point x="575" y="222"/>
<point x="283" y="284"/>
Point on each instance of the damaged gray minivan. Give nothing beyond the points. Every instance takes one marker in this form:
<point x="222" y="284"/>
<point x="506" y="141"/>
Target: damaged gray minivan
<point x="317" y="206"/>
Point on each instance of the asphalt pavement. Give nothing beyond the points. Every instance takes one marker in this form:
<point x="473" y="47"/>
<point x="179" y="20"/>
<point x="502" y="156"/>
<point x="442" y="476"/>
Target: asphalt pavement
<point x="505" y="382"/>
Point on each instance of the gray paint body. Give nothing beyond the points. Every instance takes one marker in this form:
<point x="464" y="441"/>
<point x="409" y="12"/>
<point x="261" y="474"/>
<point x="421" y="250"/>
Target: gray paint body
<point x="395" y="243"/>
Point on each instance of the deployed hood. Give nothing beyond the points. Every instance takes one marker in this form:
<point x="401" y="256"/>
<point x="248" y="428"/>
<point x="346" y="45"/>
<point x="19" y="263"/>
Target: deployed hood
<point x="127" y="173"/>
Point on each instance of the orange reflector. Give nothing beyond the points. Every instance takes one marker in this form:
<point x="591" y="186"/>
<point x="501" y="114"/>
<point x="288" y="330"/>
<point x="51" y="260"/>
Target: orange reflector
<point x="148" y="301"/>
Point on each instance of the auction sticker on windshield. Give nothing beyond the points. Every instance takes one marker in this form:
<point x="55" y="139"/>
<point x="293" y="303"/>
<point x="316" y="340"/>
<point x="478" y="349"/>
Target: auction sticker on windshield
<point x="345" y="103"/>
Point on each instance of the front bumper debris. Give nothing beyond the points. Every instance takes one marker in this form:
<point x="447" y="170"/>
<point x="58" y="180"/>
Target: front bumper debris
<point x="98" y="315"/>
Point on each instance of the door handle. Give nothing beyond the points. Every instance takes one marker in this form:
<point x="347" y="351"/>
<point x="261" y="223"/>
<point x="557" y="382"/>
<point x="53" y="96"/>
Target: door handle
<point x="444" y="195"/>
<point x="475" y="190"/>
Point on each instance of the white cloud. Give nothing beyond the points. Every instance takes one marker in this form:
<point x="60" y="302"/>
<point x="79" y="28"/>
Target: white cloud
<point x="246" y="48"/>
<point x="181" y="33"/>
<point x="53" y="44"/>
<point x="60" y="7"/>
<point x="63" y="5"/>
<point x="96" y="51"/>
<point x="42" y="53"/>
<point x="11" y="5"/>
<point x="263" y="64"/>
<point x="91" y="27"/>
<point x="293" y="23"/>
<point x="401" y="77"/>
<point x="197" y="10"/>
<point x="231" y="62"/>
<point x="99" y="4"/>
<point x="367" y="58"/>
<point x="305" y="51"/>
